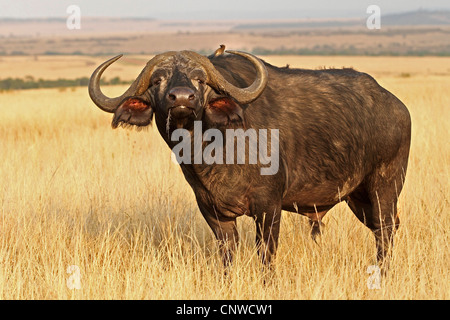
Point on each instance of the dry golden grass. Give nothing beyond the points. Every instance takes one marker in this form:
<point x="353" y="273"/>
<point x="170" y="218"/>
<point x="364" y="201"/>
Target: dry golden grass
<point x="75" y="192"/>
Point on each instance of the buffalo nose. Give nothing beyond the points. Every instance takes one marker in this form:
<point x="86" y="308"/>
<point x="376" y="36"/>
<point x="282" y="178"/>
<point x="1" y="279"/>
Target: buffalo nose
<point x="181" y="96"/>
<point x="182" y="101"/>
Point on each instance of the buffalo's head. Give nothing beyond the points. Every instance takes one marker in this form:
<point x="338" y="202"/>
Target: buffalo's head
<point x="179" y="87"/>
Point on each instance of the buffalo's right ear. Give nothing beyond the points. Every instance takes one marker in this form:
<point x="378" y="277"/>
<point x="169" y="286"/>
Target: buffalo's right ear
<point x="132" y="112"/>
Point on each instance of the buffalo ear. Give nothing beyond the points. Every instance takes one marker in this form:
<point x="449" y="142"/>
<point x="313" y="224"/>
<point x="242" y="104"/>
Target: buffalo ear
<point x="224" y="112"/>
<point x="132" y="112"/>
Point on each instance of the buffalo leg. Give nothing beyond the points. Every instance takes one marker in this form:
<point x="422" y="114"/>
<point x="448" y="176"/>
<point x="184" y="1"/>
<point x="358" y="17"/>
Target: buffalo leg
<point x="225" y="231"/>
<point x="384" y="187"/>
<point x="378" y="211"/>
<point x="228" y="237"/>
<point x="315" y="221"/>
<point x="361" y="206"/>
<point x="385" y="222"/>
<point x="267" y="232"/>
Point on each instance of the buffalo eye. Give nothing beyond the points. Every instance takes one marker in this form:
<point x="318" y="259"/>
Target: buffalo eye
<point x="157" y="81"/>
<point x="200" y="81"/>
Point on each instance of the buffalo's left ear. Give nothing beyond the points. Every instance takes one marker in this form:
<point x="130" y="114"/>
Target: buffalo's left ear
<point x="224" y="112"/>
<point x="133" y="112"/>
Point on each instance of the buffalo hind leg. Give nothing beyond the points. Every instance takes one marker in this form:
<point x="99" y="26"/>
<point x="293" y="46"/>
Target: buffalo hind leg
<point x="384" y="186"/>
<point x="315" y="221"/>
<point x="379" y="214"/>
<point x="385" y="222"/>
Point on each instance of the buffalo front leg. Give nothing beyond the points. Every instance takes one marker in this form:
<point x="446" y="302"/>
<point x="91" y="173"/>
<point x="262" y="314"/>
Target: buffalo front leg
<point x="267" y="232"/>
<point x="226" y="233"/>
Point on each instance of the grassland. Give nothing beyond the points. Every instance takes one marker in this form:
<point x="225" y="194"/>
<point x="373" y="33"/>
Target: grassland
<point x="75" y="192"/>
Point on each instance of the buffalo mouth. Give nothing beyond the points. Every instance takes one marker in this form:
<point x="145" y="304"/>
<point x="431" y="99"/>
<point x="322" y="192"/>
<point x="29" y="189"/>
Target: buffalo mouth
<point x="181" y="112"/>
<point x="180" y="117"/>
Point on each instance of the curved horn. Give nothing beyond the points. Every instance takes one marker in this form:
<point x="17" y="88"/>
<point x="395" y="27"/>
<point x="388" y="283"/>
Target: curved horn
<point x="103" y="102"/>
<point x="242" y="95"/>
<point x="138" y="86"/>
<point x="251" y="93"/>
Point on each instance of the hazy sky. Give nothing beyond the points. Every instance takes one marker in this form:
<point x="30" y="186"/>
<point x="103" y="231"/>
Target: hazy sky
<point x="212" y="9"/>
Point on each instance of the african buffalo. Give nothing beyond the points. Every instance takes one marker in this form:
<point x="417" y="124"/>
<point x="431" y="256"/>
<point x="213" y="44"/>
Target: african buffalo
<point x="342" y="137"/>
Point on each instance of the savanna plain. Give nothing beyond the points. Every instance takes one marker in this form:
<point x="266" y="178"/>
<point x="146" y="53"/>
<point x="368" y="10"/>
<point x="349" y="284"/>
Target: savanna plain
<point x="74" y="192"/>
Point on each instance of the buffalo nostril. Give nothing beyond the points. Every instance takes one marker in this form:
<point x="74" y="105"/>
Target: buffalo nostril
<point x="181" y="95"/>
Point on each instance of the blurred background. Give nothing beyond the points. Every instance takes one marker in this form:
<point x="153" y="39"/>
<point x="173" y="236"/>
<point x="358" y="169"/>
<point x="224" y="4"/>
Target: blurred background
<point x="54" y="30"/>
<point x="321" y="27"/>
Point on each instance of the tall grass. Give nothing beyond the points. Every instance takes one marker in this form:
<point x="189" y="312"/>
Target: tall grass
<point x="75" y="192"/>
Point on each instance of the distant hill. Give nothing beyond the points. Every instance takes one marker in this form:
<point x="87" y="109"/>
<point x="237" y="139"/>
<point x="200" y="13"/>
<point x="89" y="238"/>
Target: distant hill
<point x="413" y="18"/>
<point x="38" y="27"/>
<point x="13" y="27"/>
<point x="420" y="17"/>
